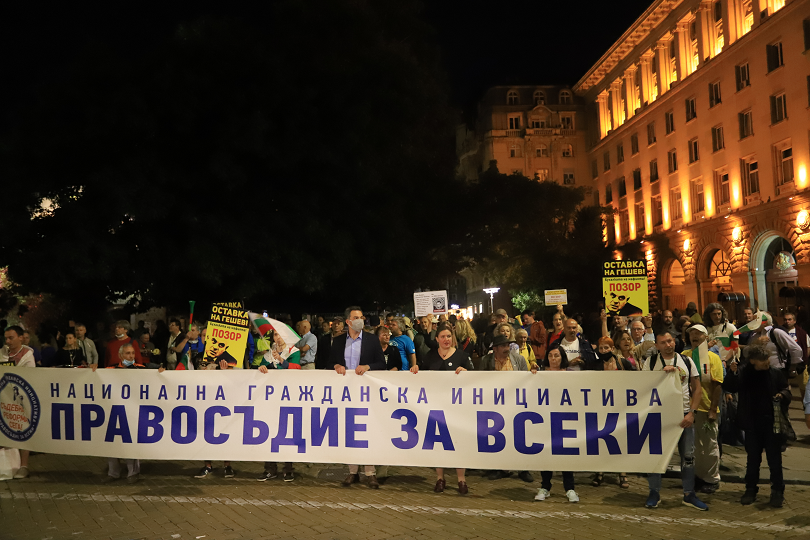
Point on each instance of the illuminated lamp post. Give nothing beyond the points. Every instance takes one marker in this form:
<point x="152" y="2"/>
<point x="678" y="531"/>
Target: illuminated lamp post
<point x="491" y="291"/>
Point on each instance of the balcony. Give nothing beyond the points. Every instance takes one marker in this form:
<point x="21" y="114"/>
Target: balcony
<point x="753" y="199"/>
<point x="514" y="133"/>
<point x="786" y="188"/>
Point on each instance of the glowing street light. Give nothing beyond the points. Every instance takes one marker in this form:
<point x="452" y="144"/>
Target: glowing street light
<point x="491" y="291"/>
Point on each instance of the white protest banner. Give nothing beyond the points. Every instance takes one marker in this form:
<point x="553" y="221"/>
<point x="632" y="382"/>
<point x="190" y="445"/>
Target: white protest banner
<point x="557" y="296"/>
<point x="570" y="421"/>
<point x="430" y="303"/>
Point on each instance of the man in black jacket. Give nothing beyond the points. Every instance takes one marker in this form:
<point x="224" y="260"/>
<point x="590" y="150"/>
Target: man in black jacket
<point x="322" y="360"/>
<point x="360" y="352"/>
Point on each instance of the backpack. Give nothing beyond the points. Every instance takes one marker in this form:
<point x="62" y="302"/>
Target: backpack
<point x="654" y="360"/>
<point x="782" y="354"/>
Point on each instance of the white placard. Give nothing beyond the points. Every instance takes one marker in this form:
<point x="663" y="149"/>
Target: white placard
<point x="557" y="296"/>
<point x="430" y="303"/>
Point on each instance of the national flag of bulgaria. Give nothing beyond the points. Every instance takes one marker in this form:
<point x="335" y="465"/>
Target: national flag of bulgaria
<point x="751" y="326"/>
<point x="184" y="364"/>
<point x="266" y="324"/>
<point x="729" y="343"/>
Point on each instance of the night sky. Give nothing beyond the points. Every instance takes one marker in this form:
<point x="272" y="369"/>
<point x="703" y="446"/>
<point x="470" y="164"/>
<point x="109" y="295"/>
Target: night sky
<point x="482" y="42"/>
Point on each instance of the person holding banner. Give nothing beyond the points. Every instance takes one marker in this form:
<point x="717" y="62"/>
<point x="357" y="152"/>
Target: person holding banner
<point x="556" y="360"/>
<point x="447" y="358"/>
<point x="121" y="337"/>
<point x="579" y="351"/>
<point x="15" y="353"/>
<point x="271" y="467"/>
<point x="359" y="352"/>
<point x="686" y="377"/>
<point x="393" y="360"/>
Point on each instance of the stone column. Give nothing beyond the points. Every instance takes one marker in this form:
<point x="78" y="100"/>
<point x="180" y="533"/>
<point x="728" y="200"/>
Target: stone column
<point x="604" y="114"/>
<point x="662" y="52"/>
<point x="646" y="77"/>
<point x="616" y="103"/>
<point x="630" y="91"/>
<point x="705" y="21"/>
<point x="684" y="54"/>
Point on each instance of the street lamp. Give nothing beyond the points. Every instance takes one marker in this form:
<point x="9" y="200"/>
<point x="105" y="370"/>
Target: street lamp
<point x="491" y="291"/>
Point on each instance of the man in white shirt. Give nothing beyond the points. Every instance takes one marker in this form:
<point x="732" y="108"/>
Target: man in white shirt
<point x="86" y="344"/>
<point x="580" y="353"/>
<point x="687" y="378"/>
<point x="308" y="345"/>
<point x="16" y="354"/>
<point x="720" y="329"/>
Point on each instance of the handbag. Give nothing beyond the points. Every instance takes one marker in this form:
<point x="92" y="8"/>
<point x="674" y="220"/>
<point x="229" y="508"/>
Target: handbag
<point x="9" y="462"/>
<point x="781" y="423"/>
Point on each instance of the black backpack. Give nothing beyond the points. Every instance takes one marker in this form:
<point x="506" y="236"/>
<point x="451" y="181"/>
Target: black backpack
<point x="654" y="360"/>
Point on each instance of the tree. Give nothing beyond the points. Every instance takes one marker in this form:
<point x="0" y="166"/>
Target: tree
<point x="236" y="162"/>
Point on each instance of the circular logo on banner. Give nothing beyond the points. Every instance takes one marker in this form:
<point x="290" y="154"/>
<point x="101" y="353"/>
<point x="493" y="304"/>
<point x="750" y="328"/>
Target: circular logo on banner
<point x="19" y="408"/>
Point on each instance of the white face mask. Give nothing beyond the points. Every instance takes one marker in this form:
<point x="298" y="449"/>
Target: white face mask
<point x="120" y="336"/>
<point x="357" y="325"/>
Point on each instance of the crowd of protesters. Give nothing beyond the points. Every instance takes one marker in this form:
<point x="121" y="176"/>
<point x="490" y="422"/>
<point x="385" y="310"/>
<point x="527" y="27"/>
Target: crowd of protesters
<point x="735" y="384"/>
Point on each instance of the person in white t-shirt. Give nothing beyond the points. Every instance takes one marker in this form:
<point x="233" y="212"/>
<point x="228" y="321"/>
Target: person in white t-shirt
<point x="579" y="352"/>
<point x="686" y="377"/>
<point x="718" y="326"/>
<point x="19" y="355"/>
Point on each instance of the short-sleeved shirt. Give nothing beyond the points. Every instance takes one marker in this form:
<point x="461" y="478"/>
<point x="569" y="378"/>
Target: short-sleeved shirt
<point x="22" y="358"/>
<point x="686" y="370"/>
<point x="724" y="330"/>
<point x="406" y="348"/>
<point x="711" y="372"/>
<point x="308" y="339"/>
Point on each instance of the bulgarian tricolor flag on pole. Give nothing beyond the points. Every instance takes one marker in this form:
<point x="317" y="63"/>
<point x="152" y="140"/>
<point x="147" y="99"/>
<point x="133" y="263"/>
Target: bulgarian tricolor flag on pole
<point x="759" y="318"/>
<point x="266" y="324"/>
<point x="185" y="364"/>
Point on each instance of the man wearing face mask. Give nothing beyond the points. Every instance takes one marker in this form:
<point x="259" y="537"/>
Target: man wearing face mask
<point x="359" y="352"/>
<point x="121" y="339"/>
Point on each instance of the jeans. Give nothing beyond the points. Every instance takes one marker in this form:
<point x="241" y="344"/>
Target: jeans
<point x="686" y="449"/>
<point x="568" y="480"/>
<point x="761" y="437"/>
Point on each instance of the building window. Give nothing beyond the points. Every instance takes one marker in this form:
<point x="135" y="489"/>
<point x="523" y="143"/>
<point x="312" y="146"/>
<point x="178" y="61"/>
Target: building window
<point x="784" y="163"/>
<point x="673" y="60"/>
<point x="657" y="211"/>
<point x="539" y="98"/>
<point x="651" y="133"/>
<point x="806" y="28"/>
<point x="641" y="219"/>
<point x="567" y="150"/>
<point x="749" y="172"/>
<point x="742" y="76"/>
<point x="722" y="191"/>
<point x="619" y="153"/>
<point x="746" y="124"/>
<point x="514" y="122"/>
<point x="669" y="122"/>
<point x="634" y="136"/>
<point x="538" y="123"/>
<point x="567" y="121"/>
<point x="624" y="223"/>
<point x="778" y="108"/>
<point x="698" y="200"/>
<point x="714" y="94"/>
<point x="512" y="98"/>
<point x="719" y="39"/>
<point x="594" y="168"/>
<point x="718" y="142"/>
<point x="565" y="97"/>
<point x="675" y="204"/>
<point x="568" y="177"/>
<point x="606" y="160"/>
<point x="808" y="90"/>
<point x="775" y="57"/>
<point x="637" y="176"/>
<point x="694" y="150"/>
<point x="622" y="187"/>
<point x="691" y="109"/>
<point x="608" y="194"/>
<point x="515" y="151"/>
<point x="776" y="5"/>
<point x="541" y="175"/>
<point x="542" y="150"/>
<point x="672" y="161"/>
<point x="747" y="9"/>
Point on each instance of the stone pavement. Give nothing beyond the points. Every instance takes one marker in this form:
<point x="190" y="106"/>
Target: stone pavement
<point x="64" y="499"/>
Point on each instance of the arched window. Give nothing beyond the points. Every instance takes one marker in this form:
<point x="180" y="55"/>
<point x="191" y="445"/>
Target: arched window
<point x="539" y="97"/>
<point x="565" y="97"/>
<point x="542" y="150"/>
<point x="512" y="98"/>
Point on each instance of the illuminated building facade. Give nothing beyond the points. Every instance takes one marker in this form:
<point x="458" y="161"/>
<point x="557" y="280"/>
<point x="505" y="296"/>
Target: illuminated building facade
<point x="698" y="138"/>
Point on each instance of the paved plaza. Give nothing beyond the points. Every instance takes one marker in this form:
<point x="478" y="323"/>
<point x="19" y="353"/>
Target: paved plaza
<point x="65" y="499"/>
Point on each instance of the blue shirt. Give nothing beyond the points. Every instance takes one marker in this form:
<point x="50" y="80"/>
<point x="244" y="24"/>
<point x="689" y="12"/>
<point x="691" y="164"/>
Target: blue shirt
<point x="351" y="354"/>
<point x="406" y="348"/>
<point x="308" y="339"/>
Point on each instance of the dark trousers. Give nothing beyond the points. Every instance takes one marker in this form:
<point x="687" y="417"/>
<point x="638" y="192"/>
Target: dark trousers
<point x="761" y="437"/>
<point x="272" y="466"/>
<point x="568" y="480"/>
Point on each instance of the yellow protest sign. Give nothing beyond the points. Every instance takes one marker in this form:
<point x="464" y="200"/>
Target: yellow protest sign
<point x="227" y="334"/>
<point x="625" y="288"/>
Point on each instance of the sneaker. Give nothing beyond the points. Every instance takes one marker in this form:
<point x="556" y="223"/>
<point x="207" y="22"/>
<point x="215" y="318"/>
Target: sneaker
<point x="22" y="472"/>
<point x="653" y="500"/>
<point x="777" y="499"/>
<point x="107" y="479"/>
<point x="229" y="472"/>
<point x="572" y="496"/>
<point x="289" y="476"/>
<point x="526" y="476"/>
<point x="749" y="497"/>
<point x="708" y="489"/>
<point x="267" y="475"/>
<point x="205" y="472"/>
<point x="690" y="499"/>
<point x="133" y="479"/>
<point x="541" y="494"/>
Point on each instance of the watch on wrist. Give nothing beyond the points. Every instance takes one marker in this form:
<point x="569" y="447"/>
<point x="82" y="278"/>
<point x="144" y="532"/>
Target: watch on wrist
<point x="694" y="412"/>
